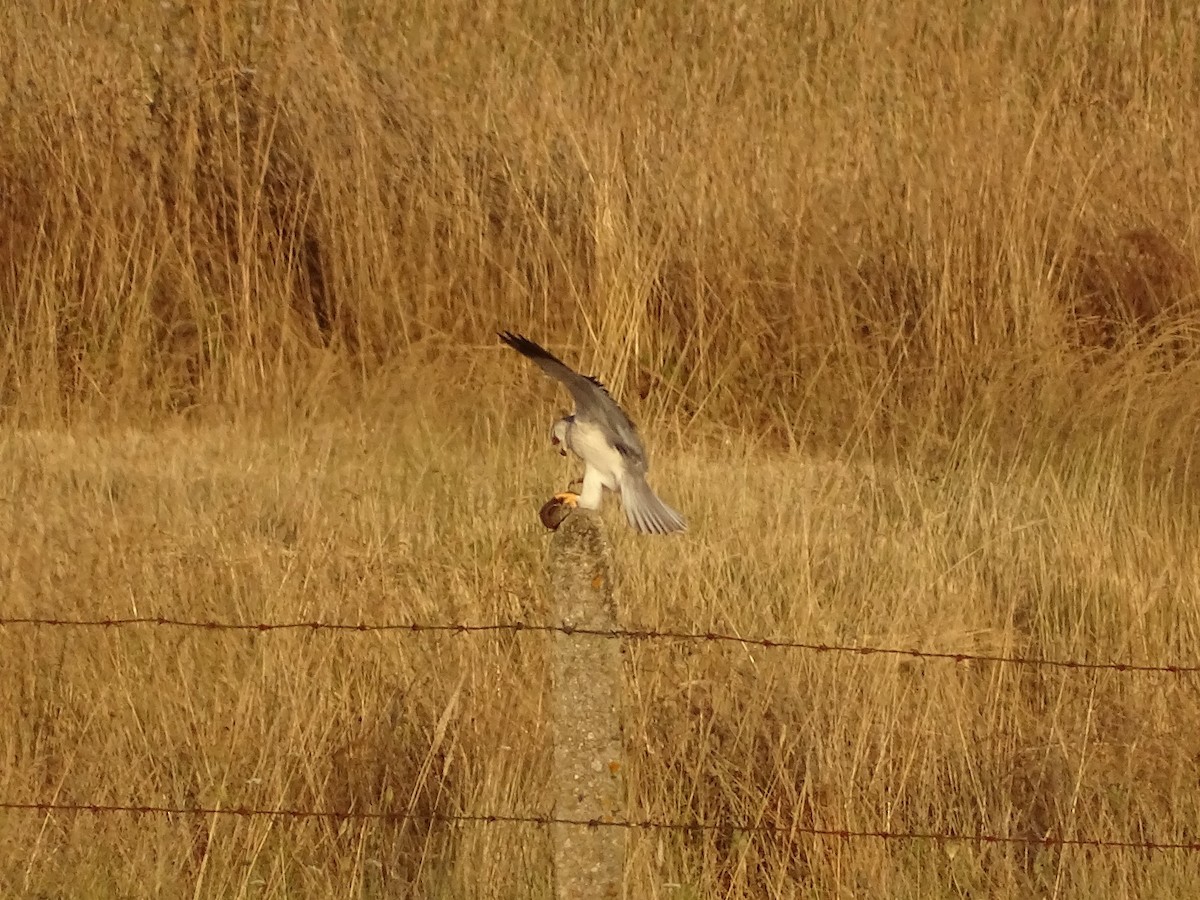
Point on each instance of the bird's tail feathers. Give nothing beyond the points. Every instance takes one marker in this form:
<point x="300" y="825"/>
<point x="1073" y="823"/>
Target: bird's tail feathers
<point x="645" y="512"/>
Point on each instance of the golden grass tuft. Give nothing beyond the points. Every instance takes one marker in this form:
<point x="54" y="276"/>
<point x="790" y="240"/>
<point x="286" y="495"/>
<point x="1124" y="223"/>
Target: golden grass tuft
<point x="905" y="300"/>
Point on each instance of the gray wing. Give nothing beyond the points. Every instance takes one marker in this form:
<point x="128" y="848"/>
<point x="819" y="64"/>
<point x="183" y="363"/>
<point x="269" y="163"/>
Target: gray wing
<point x="592" y="401"/>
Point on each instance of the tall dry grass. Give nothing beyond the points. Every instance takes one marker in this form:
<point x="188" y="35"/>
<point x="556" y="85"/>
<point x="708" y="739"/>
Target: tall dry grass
<point x="905" y="295"/>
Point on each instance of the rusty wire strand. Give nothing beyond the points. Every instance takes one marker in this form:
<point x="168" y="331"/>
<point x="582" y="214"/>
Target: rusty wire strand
<point x="647" y="824"/>
<point x="631" y="634"/>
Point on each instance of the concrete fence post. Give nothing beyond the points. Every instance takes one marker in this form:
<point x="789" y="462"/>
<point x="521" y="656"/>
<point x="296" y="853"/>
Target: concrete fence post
<point x="589" y="762"/>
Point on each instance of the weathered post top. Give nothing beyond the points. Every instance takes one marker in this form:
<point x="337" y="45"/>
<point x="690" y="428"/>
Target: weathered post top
<point x="580" y="564"/>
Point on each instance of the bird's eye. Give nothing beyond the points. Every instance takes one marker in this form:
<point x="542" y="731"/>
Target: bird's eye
<point x="554" y="440"/>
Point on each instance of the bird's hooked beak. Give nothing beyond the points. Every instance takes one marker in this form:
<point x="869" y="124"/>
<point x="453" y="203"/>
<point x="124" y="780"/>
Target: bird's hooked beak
<point x="559" y="434"/>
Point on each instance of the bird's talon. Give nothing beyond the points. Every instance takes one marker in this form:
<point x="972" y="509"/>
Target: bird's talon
<point x="557" y="508"/>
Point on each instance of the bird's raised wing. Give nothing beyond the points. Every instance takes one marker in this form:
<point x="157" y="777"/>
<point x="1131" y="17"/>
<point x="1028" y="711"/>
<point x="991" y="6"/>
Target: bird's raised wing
<point x="592" y="401"/>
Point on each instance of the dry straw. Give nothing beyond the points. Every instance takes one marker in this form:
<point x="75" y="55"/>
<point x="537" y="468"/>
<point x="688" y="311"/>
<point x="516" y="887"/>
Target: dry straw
<point x="903" y="297"/>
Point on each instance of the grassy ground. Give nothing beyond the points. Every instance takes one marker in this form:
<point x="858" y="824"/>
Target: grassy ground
<point x="349" y="522"/>
<point x="905" y="298"/>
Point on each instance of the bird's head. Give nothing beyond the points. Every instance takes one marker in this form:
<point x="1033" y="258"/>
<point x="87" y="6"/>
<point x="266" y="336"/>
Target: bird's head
<point x="558" y="433"/>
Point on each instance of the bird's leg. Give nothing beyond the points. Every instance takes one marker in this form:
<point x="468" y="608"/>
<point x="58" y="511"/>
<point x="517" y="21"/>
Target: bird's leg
<point x="592" y="490"/>
<point x="570" y="497"/>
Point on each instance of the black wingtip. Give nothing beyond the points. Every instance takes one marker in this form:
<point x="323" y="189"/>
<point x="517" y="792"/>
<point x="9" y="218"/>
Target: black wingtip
<point x="533" y="350"/>
<point x="524" y="345"/>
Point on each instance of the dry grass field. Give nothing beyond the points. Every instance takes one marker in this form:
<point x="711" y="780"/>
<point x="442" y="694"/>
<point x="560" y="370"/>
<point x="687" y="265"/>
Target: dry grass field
<point x="905" y="297"/>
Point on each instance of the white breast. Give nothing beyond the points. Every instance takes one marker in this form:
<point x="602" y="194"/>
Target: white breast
<point x="589" y="444"/>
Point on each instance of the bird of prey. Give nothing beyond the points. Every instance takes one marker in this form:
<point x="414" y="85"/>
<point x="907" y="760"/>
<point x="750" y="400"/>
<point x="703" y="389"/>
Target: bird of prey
<point x="604" y="438"/>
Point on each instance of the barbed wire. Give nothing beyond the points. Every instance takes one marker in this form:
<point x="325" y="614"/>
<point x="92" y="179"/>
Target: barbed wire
<point x="631" y="634"/>
<point x="646" y="824"/>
